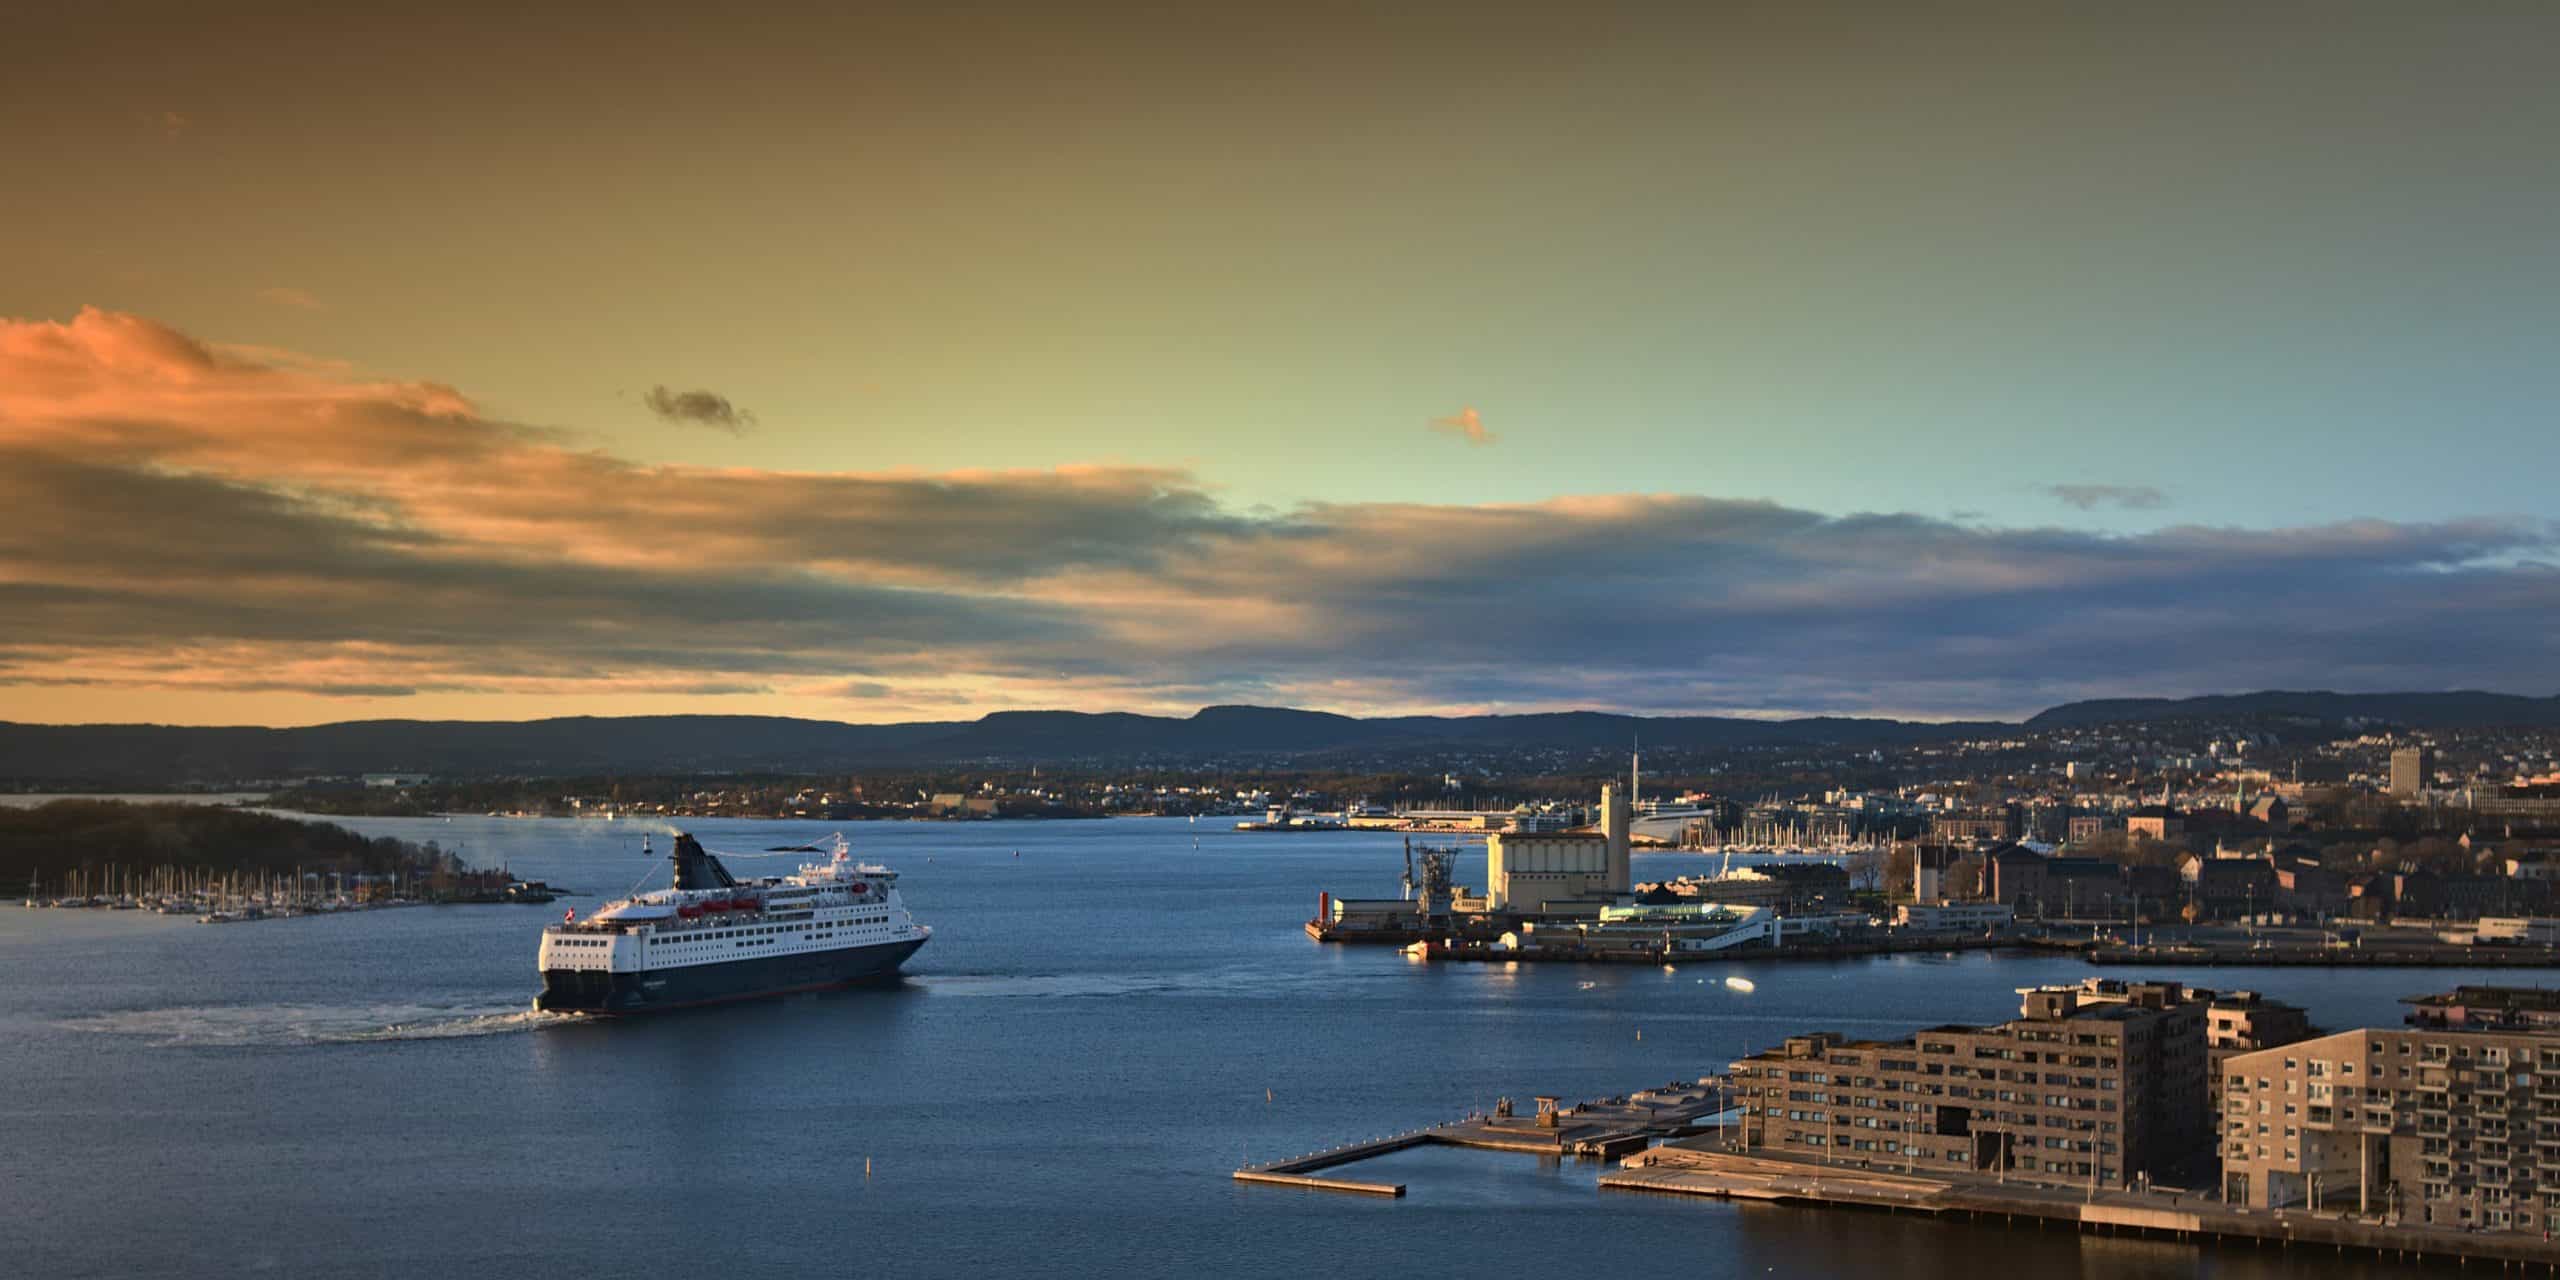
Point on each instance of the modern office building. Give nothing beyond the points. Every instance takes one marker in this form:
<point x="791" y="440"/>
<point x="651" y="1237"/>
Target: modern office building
<point x="2441" y="1127"/>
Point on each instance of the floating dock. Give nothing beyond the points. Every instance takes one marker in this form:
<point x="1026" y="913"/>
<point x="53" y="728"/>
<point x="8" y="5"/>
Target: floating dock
<point x="1701" y="1170"/>
<point x="1601" y="1130"/>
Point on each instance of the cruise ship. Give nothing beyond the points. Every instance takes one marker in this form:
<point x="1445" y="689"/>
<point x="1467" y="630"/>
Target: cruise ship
<point x="715" y="938"/>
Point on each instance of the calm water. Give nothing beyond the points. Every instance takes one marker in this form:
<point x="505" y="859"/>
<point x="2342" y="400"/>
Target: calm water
<point x="1058" y="1088"/>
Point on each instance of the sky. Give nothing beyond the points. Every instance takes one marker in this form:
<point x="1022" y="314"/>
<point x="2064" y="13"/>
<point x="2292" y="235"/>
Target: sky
<point x="873" y="363"/>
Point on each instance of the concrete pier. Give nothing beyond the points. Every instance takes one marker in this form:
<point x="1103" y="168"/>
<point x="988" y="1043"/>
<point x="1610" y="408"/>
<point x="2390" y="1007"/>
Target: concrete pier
<point x="1694" y="1169"/>
<point x="1600" y="1130"/>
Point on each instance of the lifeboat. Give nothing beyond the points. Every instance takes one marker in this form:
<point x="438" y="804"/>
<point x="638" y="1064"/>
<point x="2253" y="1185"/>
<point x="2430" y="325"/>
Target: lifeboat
<point x="857" y="887"/>
<point x="689" y="911"/>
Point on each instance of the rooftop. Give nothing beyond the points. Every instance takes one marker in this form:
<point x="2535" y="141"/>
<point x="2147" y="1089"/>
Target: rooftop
<point x="2539" y="999"/>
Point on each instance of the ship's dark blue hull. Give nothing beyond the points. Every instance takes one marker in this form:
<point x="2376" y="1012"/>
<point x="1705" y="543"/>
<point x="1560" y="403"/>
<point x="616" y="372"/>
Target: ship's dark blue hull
<point x="586" y="991"/>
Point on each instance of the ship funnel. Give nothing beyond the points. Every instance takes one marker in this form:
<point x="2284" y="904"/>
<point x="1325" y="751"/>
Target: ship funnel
<point x="696" y="868"/>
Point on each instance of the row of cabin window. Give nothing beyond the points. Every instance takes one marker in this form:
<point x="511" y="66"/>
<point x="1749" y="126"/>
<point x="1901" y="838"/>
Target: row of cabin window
<point x="782" y="928"/>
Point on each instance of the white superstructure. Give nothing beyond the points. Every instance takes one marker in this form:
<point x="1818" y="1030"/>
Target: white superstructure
<point x="727" y="938"/>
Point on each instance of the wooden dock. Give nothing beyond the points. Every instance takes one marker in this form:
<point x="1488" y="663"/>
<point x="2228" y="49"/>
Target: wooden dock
<point x="1691" y="1169"/>
<point x="1605" y="1129"/>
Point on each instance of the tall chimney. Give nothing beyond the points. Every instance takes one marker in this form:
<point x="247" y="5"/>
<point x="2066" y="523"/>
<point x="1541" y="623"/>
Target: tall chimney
<point x="1613" y="827"/>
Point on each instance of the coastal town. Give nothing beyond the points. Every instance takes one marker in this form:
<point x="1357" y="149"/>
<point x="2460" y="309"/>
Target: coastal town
<point x="2115" y="1104"/>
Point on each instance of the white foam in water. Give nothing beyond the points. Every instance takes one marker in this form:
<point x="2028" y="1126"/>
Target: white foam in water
<point x="292" y="1024"/>
<point x="1043" y="984"/>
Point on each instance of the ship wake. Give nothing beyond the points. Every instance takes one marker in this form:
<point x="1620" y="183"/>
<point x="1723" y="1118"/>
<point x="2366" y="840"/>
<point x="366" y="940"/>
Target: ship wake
<point x="282" y="1025"/>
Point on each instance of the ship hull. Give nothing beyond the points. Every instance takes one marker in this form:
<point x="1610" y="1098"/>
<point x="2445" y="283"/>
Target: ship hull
<point x="657" y="990"/>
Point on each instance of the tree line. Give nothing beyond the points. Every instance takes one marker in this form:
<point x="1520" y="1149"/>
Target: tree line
<point x="49" y="841"/>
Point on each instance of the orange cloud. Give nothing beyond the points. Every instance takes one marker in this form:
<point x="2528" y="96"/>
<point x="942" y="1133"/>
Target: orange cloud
<point x="1465" y="423"/>
<point x="213" y="521"/>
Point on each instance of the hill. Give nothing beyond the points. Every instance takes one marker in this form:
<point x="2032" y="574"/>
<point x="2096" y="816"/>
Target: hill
<point x="107" y="754"/>
<point x="2459" y="709"/>
<point x="582" y="745"/>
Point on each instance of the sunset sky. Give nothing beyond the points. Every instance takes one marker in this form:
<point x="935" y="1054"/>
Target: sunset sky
<point x="868" y="364"/>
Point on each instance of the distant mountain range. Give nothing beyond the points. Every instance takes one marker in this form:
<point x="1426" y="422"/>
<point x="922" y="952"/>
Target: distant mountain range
<point x="672" y="744"/>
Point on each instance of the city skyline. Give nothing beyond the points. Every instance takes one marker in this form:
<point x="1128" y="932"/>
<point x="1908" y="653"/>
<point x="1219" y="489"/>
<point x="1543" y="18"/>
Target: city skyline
<point x="877" y="366"/>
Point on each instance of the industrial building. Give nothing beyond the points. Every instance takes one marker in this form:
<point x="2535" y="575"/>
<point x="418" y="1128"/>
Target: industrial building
<point x="1531" y="874"/>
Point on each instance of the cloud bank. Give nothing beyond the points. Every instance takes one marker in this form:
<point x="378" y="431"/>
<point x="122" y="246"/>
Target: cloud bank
<point x="203" y="519"/>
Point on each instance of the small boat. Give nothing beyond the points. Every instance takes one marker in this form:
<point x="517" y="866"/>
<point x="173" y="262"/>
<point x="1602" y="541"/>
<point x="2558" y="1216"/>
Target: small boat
<point x="1739" y="984"/>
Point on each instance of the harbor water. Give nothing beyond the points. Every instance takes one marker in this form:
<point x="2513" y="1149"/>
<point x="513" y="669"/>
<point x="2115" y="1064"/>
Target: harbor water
<point x="1106" y="1023"/>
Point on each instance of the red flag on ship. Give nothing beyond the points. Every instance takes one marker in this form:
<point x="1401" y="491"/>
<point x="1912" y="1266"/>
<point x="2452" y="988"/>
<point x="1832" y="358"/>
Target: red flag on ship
<point x="568" y="915"/>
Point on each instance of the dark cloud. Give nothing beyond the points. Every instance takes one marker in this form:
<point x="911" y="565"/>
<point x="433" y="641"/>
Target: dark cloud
<point x="2090" y="497"/>
<point x="697" y="408"/>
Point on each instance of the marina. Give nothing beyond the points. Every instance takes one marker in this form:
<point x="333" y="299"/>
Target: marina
<point x="246" y="897"/>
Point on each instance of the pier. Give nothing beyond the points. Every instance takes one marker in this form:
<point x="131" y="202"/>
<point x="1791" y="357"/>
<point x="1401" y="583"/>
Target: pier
<point x="1606" y="1129"/>
<point x="1701" y="1169"/>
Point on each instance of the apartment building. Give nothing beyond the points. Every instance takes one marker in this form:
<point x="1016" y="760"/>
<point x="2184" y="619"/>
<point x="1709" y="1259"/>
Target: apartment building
<point x="2098" y="1084"/>
<point x="2238" y="1022"/>
<point x="2433" y="1126"/>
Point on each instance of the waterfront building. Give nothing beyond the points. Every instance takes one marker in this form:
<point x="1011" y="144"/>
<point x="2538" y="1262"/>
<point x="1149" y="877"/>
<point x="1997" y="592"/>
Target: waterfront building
<point x="2488" y="1009"/>
<point x="2238" y="1022"/>
<point x="2056" y="887"/>
<point x="1651" y="930"/>
<point x="1790" y="887"/>
<point x="2228" y="888"/>
<point x="1533" y="873"/>
<point x="1954" y="917"/>
<point x="2306" y="888"/>
<point x="2431" y="1126"/>
<point x="2098" y="1084"/>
